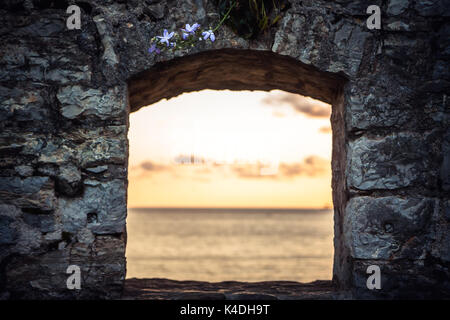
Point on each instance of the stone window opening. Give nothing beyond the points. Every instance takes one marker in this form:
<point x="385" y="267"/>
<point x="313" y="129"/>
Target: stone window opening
<point x="244" y="70"/>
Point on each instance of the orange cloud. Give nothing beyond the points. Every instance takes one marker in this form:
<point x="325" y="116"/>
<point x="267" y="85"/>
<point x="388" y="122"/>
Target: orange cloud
<point x="325" y="129"/>
<point x="151" y="166"/>
<point x="311" y="166"/>
<point x="310" y="107"/>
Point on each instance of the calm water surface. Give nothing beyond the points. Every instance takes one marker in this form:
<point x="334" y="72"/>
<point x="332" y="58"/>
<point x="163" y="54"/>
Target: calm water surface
<point x="230" y="244"/>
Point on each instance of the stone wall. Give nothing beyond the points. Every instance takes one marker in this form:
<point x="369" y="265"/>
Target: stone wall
<point x="66" y="94"/>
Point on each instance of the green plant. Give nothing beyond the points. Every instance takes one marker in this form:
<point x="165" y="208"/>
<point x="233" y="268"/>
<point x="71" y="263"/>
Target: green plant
<point x="249" y="18"/>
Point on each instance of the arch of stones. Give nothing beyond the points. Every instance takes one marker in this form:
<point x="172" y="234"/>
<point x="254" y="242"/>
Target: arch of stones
<point x="66" y="96"/>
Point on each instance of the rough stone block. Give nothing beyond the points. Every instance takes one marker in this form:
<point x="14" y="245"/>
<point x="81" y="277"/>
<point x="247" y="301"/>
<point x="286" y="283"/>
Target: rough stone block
<point x="23" y="104"/>
<point x="405" y="279"/>
<point x="10" y="211"/>
<point x="77" y="101"/>
<point x="44" y="222"/>
<point x="349" y="42"/>
<point x="56" y="151"/>
<point x="28" y="240"/>
<point x="32" y="193"/>
<point x="444" y="243"/>
<point x="104" y="146"/>
<point x="69" y="180"/>
<point x="446" y="212"/>
<point x="24" y="171"/>
<point x="31" y="277"/>
<point x="102" y="209"/>
<point x="8" y="234"/>
<point x="432" y="8"/>
<point x="27" y="185"/>
<point x="445" y="169"/>
<point x="45" y="63"/>
<point x="396" y="7"/>
<point x="389" y="227"/>
<point x="395" y="161"/>
<point x="380" y="106"/>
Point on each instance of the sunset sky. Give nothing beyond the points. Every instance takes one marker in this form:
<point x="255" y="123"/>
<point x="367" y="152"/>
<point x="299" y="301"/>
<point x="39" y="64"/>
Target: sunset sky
<point x="231" y="149"/>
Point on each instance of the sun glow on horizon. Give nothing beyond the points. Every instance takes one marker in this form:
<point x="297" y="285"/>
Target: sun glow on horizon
<point x="220" y="148"/>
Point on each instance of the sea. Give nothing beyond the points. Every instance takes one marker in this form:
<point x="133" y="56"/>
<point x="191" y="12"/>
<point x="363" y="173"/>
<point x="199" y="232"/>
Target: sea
<point x="230" y="244"/>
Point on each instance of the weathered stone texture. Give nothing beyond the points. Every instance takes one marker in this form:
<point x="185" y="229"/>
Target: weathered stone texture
<point x="389" y="228"/>
<point x="65" y="96"/>
<point x="396" y="161"/>
<point x="76" y="101"/>
<point x="102" y="208"/>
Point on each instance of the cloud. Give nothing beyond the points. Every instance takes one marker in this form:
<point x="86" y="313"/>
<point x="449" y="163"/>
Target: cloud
<point x="195" y="171"/>
<point x="278" y="114"/>
<point x="308" y="106"/>
<point x="311" y="166"/>
<point x="152" y="167"/>
<point x="325" y="129"/>
<point x="189" y="159"/>
<point x="250" y="170"/>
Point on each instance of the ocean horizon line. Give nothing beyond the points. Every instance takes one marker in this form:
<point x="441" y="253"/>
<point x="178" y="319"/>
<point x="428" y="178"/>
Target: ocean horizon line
<point x="230" y="208"/>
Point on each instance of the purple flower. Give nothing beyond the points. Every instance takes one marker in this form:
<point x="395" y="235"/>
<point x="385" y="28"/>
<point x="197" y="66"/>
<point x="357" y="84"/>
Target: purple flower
<point x="166" y="37"/>
<point x="154" y="48"/>
<point x="209" y="34"/>
<point x="188" y="30"/>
